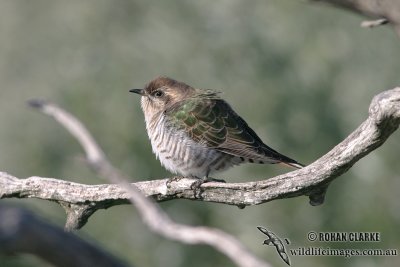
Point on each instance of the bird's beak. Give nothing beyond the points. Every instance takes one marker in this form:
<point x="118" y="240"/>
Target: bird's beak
<point x="137" y="91"/>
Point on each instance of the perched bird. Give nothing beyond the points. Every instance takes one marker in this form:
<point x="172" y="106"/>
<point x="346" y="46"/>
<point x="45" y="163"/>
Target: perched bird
<point x="194" y="132"/>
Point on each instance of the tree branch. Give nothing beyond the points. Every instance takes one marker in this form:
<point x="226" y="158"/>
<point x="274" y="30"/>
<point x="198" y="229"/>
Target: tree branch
<point x="80" y="201"/>
<point x="22" y="232"/>
<point x="383" y="10"/>
<point x="155" y="218"/>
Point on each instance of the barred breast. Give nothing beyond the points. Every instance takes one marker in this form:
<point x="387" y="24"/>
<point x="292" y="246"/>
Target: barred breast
<point x="181" y="155"/>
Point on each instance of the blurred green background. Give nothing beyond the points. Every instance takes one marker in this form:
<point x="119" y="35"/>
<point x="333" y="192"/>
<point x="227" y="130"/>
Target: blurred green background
<point x="302" y="75"/>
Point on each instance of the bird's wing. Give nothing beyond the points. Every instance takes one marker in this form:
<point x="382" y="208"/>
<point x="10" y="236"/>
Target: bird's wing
<point x="200" y="119"/>
<point x="266" y="232"/>
<point x="284" y="256"/>
<point x="212" y="122"/>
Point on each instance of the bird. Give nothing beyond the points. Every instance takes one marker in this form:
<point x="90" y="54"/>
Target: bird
<point x="274" y="240"/>
<point x="195" y="133"/>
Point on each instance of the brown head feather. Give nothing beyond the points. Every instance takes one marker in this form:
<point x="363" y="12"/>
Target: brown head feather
<point x="163" y="92"/>
<point x="166" y="82"/>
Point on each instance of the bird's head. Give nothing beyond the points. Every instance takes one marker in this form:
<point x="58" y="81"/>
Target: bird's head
<point x="161" y="93"/>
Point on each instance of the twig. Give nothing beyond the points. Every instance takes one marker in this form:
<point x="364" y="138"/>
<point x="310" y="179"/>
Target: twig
<point x="373" y="23"/>
<point x="388" y="11"/>
<point x="155" y="218"/>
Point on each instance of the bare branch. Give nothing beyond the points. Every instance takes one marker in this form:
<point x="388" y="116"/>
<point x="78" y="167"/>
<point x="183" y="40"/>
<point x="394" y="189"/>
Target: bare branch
<point x="382" y="121"/>
<point x="373" y="23"/>
<point x="155" y="218"/>
<point x="80" y="201"/>
<point x="22" y="232"/>
<point x="388" y="10"/>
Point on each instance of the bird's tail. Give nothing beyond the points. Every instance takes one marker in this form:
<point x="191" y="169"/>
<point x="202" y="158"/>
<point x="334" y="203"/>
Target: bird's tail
<point x="280" y="158"/>
<point x="293" y="164"/>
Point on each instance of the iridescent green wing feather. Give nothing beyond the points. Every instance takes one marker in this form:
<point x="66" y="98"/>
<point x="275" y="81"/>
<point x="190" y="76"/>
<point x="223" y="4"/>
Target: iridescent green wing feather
<point x="197" y="117"/>
<point x="209" y="120"/>
<point x="241" y="140"/>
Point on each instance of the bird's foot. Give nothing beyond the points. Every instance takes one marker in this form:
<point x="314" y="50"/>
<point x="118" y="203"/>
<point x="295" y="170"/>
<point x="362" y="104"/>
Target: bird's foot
<point x="173" y="179"/>
<point x="210" y="179"/>
<point x="196" y="185"/>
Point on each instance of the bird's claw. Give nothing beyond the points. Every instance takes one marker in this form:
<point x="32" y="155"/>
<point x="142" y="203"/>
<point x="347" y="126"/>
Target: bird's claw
<point x="196" y="185"/>
<point x="173" y="179"/>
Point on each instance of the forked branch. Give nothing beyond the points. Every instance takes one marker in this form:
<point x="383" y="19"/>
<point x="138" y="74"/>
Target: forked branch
<point x="383" y="120"/>
<point x="80" y="201"/>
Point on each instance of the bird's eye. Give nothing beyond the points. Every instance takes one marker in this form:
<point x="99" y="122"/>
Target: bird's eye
<point x="158" y="93"/>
